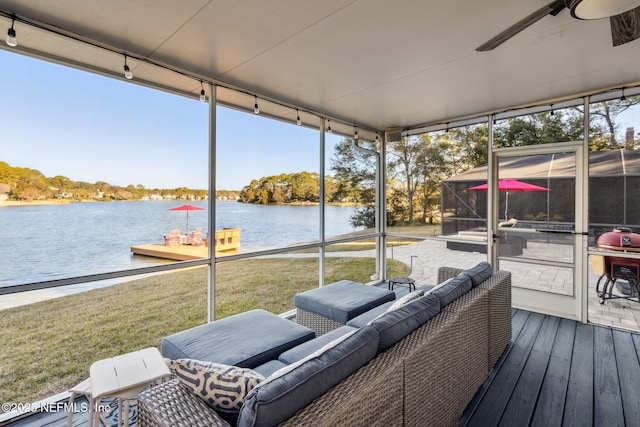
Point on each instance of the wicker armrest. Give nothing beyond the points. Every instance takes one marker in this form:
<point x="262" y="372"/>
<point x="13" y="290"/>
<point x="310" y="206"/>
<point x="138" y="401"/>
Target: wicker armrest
<point x="171" y="405"/>
<point x="445" y="273"/>
<point x="499" y="287"/>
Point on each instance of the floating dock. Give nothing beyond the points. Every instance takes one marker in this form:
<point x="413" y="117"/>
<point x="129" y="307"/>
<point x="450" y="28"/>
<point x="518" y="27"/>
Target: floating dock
<point x="226" y="241"/>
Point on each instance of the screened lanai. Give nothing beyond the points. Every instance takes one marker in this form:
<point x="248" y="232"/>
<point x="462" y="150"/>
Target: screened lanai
<point x="614" y="176"/>
<point x="372" y="72"/>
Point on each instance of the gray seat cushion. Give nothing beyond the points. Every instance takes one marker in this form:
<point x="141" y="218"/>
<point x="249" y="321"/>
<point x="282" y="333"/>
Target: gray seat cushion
<point x="247" y="339"/>
<point x="452" y="289"/>
<point x="365" y="318"/>
<point x="269" y="368"/>
<point x="291" y="389"/>
<point x="479" y="273"/>
<point x="397" y="324"/>
<point x="303" y="350"/>
<point x="343" y="300"/>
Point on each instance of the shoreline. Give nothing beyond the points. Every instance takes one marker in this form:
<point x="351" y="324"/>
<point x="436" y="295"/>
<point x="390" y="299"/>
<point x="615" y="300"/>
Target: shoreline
<point x="19" y="299"/>
<point x="35" y="202"/>
<point x="66" y="202"/>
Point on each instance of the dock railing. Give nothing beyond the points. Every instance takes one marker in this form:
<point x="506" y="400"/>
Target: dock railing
<point x="227" y="239"/>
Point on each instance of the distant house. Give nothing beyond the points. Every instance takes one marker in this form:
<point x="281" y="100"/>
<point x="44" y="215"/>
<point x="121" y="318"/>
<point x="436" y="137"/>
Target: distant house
<point x="5" y="191"/>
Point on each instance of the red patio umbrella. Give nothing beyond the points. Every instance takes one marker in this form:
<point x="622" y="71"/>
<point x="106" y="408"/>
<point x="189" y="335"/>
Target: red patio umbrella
<point x="187" y="208"/>
<point x="511" y="185"/>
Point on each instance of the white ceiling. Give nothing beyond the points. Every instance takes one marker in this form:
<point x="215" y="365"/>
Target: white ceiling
<point x="378" y="63"/>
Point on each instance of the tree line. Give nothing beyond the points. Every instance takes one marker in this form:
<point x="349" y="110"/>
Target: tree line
<point x="417" y="164"/>
<point x="30" y="184"/>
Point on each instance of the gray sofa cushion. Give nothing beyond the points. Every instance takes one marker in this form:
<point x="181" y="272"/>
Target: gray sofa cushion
<point x="396" y="324"/>
<point x="452" y="289"/>
<point x="247" y="339"/>
<point x="343" y="300"/>
<point x="367" y="317"/>
<point x="479" y="273"/>
<point x="305" y="349"/>
<point x="266" y="369"/>
<point x="294" y="387"/>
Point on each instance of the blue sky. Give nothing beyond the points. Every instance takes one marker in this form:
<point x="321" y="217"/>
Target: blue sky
<point x="62" y="121"/>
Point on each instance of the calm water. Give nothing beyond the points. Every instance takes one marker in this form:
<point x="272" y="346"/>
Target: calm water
<point x="57" y="241"/>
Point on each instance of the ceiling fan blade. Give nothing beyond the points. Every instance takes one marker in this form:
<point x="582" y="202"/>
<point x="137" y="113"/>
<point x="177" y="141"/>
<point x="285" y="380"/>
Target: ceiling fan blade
<point x="552" y="8"/>
<point x="625" y="27"/>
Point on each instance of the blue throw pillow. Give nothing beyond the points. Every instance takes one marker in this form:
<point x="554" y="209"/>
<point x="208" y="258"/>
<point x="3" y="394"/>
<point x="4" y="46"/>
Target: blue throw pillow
<point x="396" y="324"/>
<point x="452" y="289"/>
<point x="479" y="273"/>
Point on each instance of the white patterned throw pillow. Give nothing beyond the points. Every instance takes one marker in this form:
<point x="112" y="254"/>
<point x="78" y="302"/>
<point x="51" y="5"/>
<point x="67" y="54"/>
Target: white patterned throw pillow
<point x="405" y="300"/>
<point x="222" y="387"/>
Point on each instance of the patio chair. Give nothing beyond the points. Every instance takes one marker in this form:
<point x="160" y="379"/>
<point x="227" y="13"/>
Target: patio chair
<point x="195" y="238"/>
<point x="173" y="239"/>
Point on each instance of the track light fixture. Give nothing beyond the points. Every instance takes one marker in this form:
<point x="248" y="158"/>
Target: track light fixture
<point x="355" y="133"/>
<point x="256" y="109"/>
<point x="11" y="34"/>
<point x="298" y="121"/>
<point x="127" y="71"/>
<point x="203" y="96"/>
<point x="329" y="127"/>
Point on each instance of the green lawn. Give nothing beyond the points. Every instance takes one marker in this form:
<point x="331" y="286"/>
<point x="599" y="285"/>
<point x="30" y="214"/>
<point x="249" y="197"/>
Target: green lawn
<point x="47" y="347"/>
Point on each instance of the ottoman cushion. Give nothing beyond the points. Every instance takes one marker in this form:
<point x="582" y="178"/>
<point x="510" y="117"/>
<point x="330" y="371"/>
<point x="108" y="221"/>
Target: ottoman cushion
<point x="343" y="300"/>
<point x="247" y="339"/>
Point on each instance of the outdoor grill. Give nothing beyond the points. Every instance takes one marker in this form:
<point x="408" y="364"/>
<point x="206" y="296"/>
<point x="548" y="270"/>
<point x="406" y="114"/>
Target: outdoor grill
<point x="614" y="268"/>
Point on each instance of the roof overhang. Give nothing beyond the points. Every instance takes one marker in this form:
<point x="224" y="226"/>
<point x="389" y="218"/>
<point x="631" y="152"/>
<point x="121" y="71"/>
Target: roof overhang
<point x="374" y="64"/>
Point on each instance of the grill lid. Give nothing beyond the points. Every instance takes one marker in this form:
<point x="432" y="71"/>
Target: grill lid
<point x="620" y="239"/>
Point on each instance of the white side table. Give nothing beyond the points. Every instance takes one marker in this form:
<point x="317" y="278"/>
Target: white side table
<point x="124" y="376"/>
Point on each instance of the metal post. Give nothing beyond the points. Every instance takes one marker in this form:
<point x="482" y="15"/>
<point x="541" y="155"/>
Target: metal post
<point x="381" y="217"/>
<point x="211" y="277"/>
<point x="322" y="207"/>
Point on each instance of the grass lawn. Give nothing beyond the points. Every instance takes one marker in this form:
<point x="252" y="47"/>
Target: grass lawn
<point x="47" y="347"/>
<point x="412" y="230"/>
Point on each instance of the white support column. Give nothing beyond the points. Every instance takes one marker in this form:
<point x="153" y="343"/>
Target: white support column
<point x="581" y="246"/>
<point x="321" y="194"/>
<point x="492" y="201"/>
<point x="211" y="304"/>
<point x="381" y="217"/>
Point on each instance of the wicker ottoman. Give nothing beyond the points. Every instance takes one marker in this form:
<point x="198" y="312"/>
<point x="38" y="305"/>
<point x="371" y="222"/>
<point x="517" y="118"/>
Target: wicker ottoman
<point x="329" y="307"/>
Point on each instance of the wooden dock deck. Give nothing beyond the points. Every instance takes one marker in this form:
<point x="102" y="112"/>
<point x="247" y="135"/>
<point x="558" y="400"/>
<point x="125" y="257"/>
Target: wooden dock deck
<point x="176" y="252"/>
<point x="226" y="241"/>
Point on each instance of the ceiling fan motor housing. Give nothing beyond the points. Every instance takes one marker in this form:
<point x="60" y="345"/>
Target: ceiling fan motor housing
<point x="598" y="9"/>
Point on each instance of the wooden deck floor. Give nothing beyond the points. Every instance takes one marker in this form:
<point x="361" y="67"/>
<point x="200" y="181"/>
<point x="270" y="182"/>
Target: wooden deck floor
<point x="555" y="372"/>
<point x="558" y="372"/>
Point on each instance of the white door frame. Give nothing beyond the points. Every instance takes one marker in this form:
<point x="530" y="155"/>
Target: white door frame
<point x="572" y="307"/>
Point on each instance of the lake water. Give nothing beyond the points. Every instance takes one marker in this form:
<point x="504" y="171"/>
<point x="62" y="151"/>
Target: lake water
<point x="49" y="242"/>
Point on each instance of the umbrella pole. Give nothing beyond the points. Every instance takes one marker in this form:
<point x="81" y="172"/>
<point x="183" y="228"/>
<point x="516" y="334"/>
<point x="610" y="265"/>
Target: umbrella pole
<point x="506" y="206"/>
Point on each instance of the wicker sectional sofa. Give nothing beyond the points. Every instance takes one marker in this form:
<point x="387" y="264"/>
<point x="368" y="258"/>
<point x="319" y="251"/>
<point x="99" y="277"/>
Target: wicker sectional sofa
<point x="426" y="378"/>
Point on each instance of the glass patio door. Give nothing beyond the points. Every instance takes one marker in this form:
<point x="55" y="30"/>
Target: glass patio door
<point x="539" y="225"/>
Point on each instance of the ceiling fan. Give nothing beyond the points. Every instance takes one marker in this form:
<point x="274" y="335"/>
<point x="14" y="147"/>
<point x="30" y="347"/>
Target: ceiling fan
<point x="624" y="16"/>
